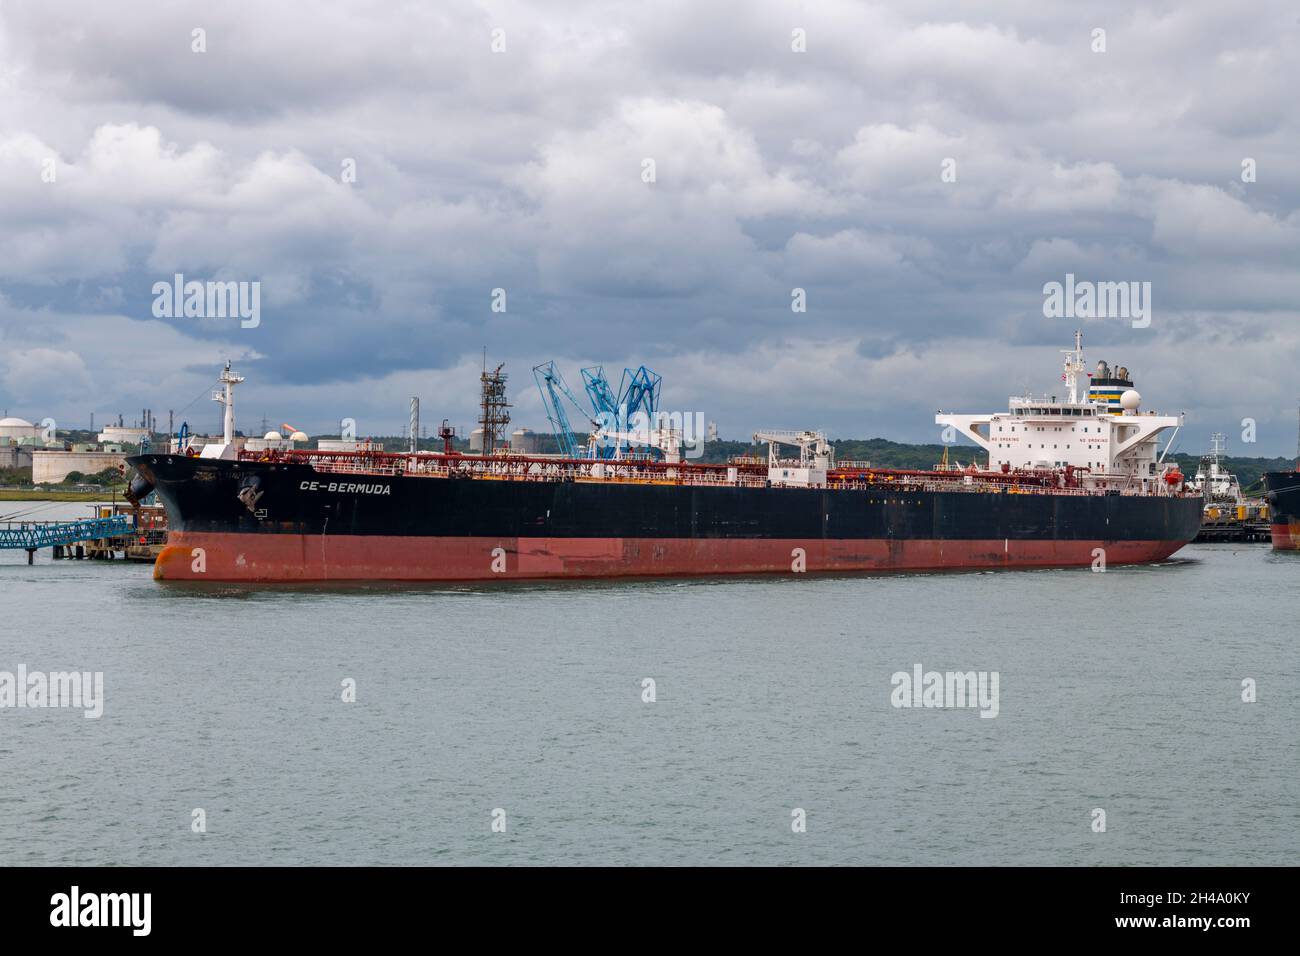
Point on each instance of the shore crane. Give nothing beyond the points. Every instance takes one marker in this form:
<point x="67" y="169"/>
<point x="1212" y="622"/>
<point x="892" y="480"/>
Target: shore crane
<point x="554" y="394"/>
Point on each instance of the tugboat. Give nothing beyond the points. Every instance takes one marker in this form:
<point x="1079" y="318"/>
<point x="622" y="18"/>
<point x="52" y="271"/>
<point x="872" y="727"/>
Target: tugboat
<point x="1228" y="515"/>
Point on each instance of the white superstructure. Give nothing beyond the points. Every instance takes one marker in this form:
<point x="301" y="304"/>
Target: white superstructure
<point x="1212" y="479"/>
<point x="1077" y="433"/>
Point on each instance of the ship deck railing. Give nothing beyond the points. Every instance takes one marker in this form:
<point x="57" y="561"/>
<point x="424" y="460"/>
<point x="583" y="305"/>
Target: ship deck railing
<point x="514" y="467"/>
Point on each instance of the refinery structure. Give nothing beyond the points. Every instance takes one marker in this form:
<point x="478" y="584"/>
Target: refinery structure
<point x="24" y="444"/>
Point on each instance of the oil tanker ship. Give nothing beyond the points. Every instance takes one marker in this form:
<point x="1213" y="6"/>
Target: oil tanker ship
<point x="1069" y="482"/>
<point x="1282" y="490"/>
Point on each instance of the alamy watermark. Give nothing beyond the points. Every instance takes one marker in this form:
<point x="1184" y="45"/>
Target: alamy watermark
<point x="687" y="430"/>
<point x="208" y="300"/>
<point x="946" y="690"/>
<point x="127" y="910"/>
<point x="1098" y="300"/>
<point x="79" y="690"/>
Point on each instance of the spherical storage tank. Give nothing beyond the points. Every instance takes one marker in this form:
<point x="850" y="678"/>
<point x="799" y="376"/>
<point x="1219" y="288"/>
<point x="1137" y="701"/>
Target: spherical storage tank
<point x="17" y="428"/>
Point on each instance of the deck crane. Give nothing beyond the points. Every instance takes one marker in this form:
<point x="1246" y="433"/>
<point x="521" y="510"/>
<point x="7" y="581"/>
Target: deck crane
<point x="815" y="457"/>
<point x="554" y="394"/>
<point x="814" y="449"/>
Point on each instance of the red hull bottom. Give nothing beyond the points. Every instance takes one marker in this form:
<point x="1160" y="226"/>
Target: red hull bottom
<point x="199" y="556"/>
<point x="1286" y="537"/>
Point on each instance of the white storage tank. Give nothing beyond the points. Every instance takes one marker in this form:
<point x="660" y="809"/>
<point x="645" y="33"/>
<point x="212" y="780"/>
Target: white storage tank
<point x="524" y="441"/>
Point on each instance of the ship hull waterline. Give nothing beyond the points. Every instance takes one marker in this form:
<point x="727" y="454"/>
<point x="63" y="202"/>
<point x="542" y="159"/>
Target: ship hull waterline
<point x="1286" y="537"/>
<point x="207" y="556"/>
<point x="288" y="522"/>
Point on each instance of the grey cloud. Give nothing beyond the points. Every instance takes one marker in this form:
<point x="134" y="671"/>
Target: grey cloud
<point x="522" y="171"/>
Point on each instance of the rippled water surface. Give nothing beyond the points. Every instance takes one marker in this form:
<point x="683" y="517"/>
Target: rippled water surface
<point x="1120" y="691"/>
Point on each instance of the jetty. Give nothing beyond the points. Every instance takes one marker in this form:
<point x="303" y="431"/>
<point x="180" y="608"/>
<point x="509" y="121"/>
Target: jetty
<point x="92" y="533"/>
<point x="135" y="534"/>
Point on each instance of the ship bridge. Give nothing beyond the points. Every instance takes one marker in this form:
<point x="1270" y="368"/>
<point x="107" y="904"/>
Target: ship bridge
<point x="1086" y="433"/>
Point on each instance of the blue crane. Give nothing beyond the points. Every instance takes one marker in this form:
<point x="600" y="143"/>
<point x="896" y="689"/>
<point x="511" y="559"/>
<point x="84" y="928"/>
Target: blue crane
<point x="554" y="394"/>
<point x="607" y="407"/>
<point x="599" y="391"/>
<point x="639" y="392"/>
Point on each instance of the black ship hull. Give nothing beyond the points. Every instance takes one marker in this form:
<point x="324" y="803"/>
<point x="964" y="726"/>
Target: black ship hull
<point x="1283" y="491"/>
<point x="287" y="521"/>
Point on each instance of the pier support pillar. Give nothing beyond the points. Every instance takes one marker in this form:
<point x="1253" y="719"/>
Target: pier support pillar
<point x="31" y="555"/>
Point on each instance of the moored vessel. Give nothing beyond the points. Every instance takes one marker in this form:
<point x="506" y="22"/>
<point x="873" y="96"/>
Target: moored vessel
<point x="1229" y="514"/>
<point x="1066" y="483"/>
<point x="1282" y="489"/>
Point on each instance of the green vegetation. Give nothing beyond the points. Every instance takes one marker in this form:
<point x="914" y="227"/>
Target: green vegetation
<point x="1247" y="470"/>
<point x="21" y="477"/>
<point x="106" y="478"/>
<point x="36" y="494"/>
<point x="20" y="487"/>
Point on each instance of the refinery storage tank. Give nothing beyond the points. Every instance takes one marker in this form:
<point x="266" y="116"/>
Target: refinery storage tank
<point x="18" y="429"/>
<point x="476" y="440"/>
<point x="525" y="441"/>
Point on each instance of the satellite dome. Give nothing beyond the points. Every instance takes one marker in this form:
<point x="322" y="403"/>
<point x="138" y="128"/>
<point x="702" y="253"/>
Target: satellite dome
<point x="272" y="436"/>
<point x="1130" y="400"/>
<point x="298" y="436"/>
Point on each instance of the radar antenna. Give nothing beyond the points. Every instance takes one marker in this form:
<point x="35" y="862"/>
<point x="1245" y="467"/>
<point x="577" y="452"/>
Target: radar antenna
<point x="1073" y="367"/>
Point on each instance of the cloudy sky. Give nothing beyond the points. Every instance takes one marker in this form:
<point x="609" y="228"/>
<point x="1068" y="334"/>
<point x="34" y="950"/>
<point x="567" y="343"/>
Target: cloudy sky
<point x="523" y="169"/>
